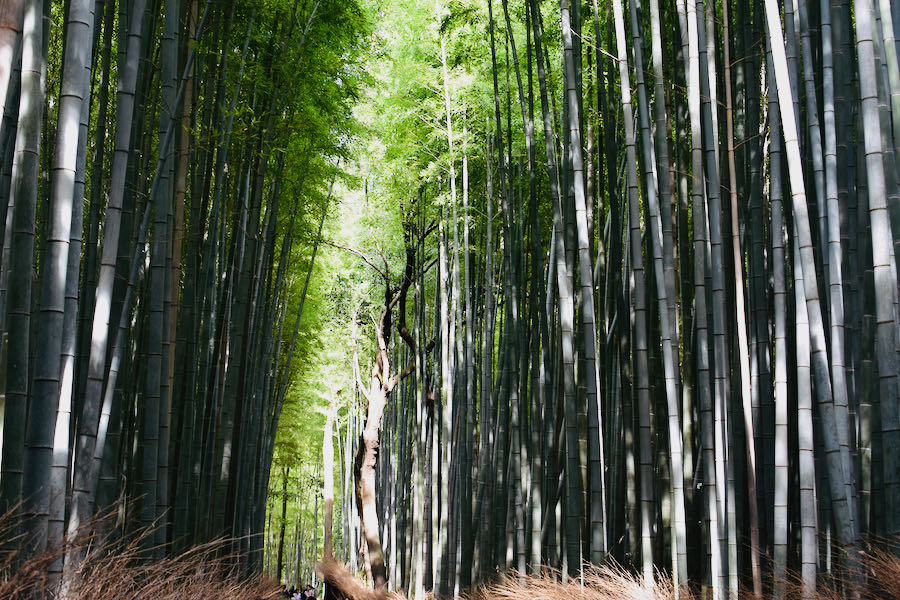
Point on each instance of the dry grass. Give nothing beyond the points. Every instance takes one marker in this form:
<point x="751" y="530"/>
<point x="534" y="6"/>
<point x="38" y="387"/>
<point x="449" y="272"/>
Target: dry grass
<point x="880" y="579"/>
<point x="113" y="571"/>
<point x="118" y="571"/>
<point x="596" y="583"/>
<point x="883" y="573"/>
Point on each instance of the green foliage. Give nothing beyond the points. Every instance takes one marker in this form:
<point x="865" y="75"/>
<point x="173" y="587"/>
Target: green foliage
<point x="395" y="151"/>
<point x="396" y="148"/>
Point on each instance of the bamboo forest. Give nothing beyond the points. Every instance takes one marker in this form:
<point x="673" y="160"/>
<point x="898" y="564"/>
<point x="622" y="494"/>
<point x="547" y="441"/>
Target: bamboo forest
<point x="476" y="299"/>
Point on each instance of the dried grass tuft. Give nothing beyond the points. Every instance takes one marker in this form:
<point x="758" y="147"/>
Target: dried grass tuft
<point x="598" y="583"/>
<point x="880" y="579"/>
<point x="883" y="569"/>
<point x="114" y="570"/>
<point x="111" y="570"/>
<point x="607" y="582"/>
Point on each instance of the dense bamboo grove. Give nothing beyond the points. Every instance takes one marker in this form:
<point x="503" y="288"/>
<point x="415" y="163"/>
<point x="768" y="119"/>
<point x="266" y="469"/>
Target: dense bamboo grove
<point x="644" y="303"/>
<point x="564" y="283"/>
<point x="164" y="170"/>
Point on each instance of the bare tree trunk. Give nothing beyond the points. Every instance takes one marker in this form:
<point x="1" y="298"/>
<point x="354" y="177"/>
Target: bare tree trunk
<point x="366" y="459"/>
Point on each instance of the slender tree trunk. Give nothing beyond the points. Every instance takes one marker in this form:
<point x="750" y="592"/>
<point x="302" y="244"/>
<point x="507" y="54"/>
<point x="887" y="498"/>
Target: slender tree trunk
<point x="86" y="469"/>
<point x="714" y="513"/>
<point x="679" y="528"/>
<point x="21" y="483"/>
<point x="741" y="325"/>
<point x="840" y="479"/>
<point x="328" y="489"/>
<point x="835" y="256"/>
<point x="885" y="275"/>
<point x="448" y="448"/>
<point x="641" y="366"/>
<point x="53" y="386"/>
<point x="279" y="571"/>
<point x="11" y="15"/>
<point x="780" y="513"/>
<point x="573" y="470"/>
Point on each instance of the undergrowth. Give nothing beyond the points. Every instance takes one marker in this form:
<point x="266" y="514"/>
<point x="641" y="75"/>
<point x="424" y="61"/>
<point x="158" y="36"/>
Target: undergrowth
<point x="879" y="579"/>
<point x="103" y="568"/>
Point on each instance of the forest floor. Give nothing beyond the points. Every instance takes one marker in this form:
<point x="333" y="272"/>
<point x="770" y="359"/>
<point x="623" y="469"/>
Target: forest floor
<point x="880" y="580"/>
<point x="120" y="573"/>
<point x="117" y="571"/>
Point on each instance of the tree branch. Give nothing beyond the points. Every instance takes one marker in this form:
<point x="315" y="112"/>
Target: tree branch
<point x="366" y="259"/>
